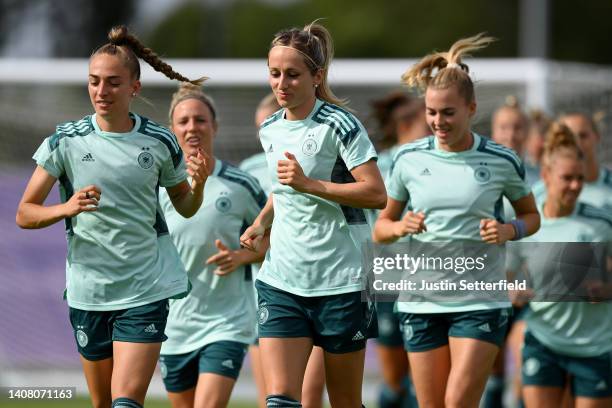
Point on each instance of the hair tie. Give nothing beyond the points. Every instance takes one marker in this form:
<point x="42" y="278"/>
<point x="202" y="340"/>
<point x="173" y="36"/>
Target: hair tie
<point x="453" y="65"/>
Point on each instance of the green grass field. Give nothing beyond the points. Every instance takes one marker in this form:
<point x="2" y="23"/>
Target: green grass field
<point x="84" y="403"/>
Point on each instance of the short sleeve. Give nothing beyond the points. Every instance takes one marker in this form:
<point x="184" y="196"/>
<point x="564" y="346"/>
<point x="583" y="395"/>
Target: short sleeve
<point x="396" y="187"/>
<point x="173" y="170"/>
<point x="49" y="156"/>
<point x="355" y="146"/>
<point x="515" y="186"/>
<point x="255" y="202"/>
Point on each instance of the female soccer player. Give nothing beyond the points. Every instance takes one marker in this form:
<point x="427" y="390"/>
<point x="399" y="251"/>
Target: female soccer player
<point x="597" y="189"/>
<point x="210" y="329"/>
<point x="323" y="172"/>
<point x="401" y="119"/>
<point x="565" y="341"/>
<point x="509" y="127"/>
<point x="314" y="377"/>
<point x="455" y="181"/>
<point x="122" y="267"/>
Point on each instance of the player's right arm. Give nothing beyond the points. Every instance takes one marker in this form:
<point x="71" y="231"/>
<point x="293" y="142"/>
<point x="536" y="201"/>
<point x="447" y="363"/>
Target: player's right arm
<point x="390" y="225"/>
<point x="253" y="236"/>
<point x="31" y="212"/>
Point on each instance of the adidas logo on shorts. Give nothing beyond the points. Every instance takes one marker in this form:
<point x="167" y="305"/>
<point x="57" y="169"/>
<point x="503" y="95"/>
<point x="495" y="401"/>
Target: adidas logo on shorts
<point x="426" y="172"/>
<point x="358" y="336"/>
<point x="228" y="364"/>
<point x="485" y="327"/>
<point x="601" y="386"/>
<point x="150" y="329"/>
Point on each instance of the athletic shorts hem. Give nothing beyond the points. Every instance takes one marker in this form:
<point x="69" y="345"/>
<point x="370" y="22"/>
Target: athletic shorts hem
<point x="96" y="357"/>
<point x="491" y="341"/>
<point x="344" y="350"/>
<point x="180" y="389"/>
<point x="138" y="339"/>
<point x="427" y="347"/>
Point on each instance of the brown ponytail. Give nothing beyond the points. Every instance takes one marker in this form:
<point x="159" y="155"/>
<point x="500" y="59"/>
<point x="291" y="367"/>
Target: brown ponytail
<point x="129" y="47"/>
<point x="560" y="141"/>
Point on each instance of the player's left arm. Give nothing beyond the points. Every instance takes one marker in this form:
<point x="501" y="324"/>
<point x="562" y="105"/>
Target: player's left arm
<point x="367" y="191"/>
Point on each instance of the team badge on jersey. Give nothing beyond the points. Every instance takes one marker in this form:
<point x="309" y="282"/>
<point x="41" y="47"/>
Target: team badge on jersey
<point x="309" y="148"/>
<point x="145" y="159"/>
<point x="223" y="204"/>
<point x="82" y="338"/>
<point x="482" y="174"/>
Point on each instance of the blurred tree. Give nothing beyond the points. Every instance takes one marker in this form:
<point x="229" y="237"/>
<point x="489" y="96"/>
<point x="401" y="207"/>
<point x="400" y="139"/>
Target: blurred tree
<point x="193" y="30"/>
<point x="581" y="31"/>
<point x="361" y="28"/>
<point x="78" y="27"/>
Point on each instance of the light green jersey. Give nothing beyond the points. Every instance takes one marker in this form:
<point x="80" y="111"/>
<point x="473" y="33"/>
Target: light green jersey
<point x="218" y="307"/>
<point x="579" y="329"/>
<point x="315" y="246"/>
<point x="455" y="190"/>
<point x="385" y="160"/>
<point x="598" y="193"/>
<point x="119" y="256"/>
<point x="257" y="166"/>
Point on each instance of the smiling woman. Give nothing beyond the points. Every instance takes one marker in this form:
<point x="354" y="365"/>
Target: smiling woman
<point x="122" y="267"/>
<point x="323" y="172"/>
<point x="454" y="183"/>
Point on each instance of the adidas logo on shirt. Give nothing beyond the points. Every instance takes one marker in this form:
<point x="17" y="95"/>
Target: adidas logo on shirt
<point x="485" y="327"/>
<point x="150" y="329"/>
<point x="228" y="364"/>
<point x="270" y="149"/>
<point x="601" y="386"/>
<point x="358" y="336"/>
<point x="88" y="158"/>
<point x="426" y="172"/>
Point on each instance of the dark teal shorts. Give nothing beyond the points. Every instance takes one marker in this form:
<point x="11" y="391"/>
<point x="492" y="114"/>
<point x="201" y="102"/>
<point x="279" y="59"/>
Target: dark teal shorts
<point x="180" y="372"/>
<point x="428" y="331"/>
<point x="389" y="333"/>
<point x="337" y="323"/>
<point x="589" y="377"/>
<point x="95" y="331"/>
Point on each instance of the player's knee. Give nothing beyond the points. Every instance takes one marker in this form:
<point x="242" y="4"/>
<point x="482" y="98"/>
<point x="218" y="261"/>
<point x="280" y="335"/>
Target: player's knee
<point x="125" y="403"/>
<point x="280" y="401"/>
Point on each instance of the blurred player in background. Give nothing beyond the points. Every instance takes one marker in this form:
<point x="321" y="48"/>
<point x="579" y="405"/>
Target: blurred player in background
<point x="452" y="346"/>
<point x="314" y="378"/>
<point x="597" y="189"/>
<point x="122" y="267"/>
<point x="323" y="171"/>
<point x="209" y="330"/>
<point x="400" y="119"/>
<point x="566" y="343"/>
<point x="509" y="127"/>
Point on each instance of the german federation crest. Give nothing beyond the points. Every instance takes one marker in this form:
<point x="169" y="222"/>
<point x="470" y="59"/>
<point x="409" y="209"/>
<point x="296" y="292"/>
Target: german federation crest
<point x="145" y="159"/>
<point x="263" y="314"/>
<point x="482" y="174"/>
<point x="163" y="370"/>
<point x="309" y="148"/>
<point x="82" y="338"/>
<point x="223" y="204"/>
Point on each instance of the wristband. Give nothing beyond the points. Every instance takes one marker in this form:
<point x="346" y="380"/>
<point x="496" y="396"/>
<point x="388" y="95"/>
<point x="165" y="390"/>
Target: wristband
<point x="520" y="229"/>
